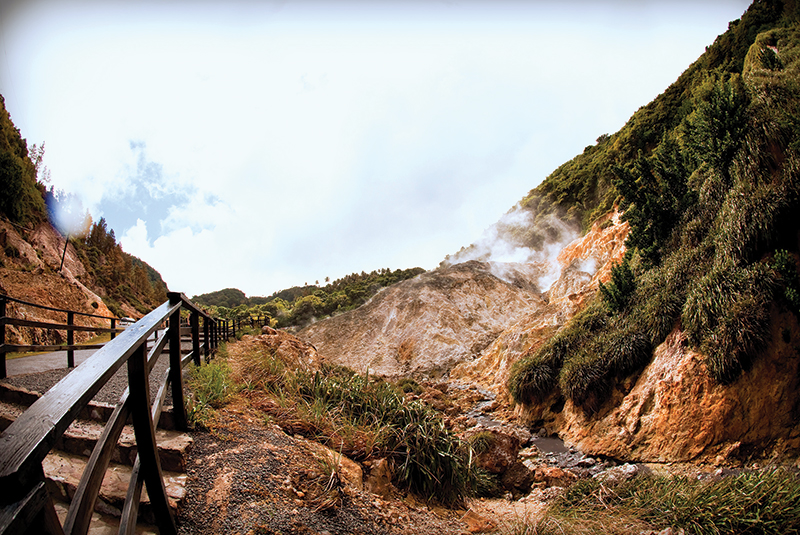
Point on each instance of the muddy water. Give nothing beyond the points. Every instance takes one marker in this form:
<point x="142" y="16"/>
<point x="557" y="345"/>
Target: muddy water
<point x="549" y="444"/>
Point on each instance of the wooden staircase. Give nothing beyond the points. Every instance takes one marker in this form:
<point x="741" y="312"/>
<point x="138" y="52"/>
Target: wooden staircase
<point x="65" y="463"/>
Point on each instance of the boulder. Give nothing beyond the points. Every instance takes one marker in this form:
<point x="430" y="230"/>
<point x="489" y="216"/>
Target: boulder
<point x="378" y="479"/>
<point x="501" y="453"/>
<point x="518" y="478"/>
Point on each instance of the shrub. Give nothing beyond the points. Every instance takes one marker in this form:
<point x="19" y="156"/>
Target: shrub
<point x="618" y="292"/>
<point x="408" y="385"/>
<point x="785" y="265"/>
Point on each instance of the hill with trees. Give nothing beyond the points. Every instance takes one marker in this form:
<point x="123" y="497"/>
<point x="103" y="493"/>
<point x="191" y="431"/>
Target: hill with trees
<point x="127" y="285"/>
<point x="299" y="305"/>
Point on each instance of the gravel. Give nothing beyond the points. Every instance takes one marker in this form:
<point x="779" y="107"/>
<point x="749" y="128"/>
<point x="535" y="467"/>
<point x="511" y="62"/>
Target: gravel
<point x="246" y="476"/>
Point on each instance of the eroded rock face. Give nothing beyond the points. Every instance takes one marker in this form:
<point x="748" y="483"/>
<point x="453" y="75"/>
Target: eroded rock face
<point x="36" y="284"/>
<point x="424" y="326"/>
<point x="674" y="411"/>
<point x="470" y="320"/>
<point x="601" y="248"/>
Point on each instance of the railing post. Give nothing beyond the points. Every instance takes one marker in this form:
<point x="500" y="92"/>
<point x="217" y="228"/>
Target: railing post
<point x="113" y="326"/>
<point x="207" y="336"/>
<point x="2" y="338"/>
<point x="138" y="385"/>
<point x="175" y="368"/>
<point x="194" y="319"/>
<point x="70" y="340"/>
<point x="233" y="324"/>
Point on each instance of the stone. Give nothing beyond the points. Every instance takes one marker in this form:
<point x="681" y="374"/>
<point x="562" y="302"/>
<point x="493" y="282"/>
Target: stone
<point x="618" y="474"/>
<point x="502" y="452"/>
<point x="349" y="471"/>
<point x="378" y="479"/>
<point x="553" y="476"/>
<point x="477" y="523"/>
<point x="518" y="478"/>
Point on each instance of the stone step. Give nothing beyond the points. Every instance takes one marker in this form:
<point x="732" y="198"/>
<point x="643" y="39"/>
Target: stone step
<point x="104" y="524"/>
<point x="81" y="436"/>
<point x="93" y="411"/>
<point x="63" y="472"/>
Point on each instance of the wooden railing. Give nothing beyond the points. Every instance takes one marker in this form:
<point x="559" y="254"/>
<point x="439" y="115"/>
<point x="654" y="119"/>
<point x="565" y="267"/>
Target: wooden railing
<point x="25" y="506"/>
<point x="69" y="326"/>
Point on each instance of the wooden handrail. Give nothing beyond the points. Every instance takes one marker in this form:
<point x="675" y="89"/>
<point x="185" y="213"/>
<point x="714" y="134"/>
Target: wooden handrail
<point x="25" y="443"/>
<point x="20" y="301"/>
<point x="70" y="327"/>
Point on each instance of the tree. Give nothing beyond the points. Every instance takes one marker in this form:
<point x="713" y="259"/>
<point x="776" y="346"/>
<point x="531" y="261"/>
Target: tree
<point x="718" y="125"/>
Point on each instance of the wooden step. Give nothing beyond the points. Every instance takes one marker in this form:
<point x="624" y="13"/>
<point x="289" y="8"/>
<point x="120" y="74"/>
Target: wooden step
<point x="98" y="411"/>
<point x="64" y="470"/>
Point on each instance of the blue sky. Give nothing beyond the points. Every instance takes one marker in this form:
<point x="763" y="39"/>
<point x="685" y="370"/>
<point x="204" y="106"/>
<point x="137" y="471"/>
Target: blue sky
<point x="262" y="145"/>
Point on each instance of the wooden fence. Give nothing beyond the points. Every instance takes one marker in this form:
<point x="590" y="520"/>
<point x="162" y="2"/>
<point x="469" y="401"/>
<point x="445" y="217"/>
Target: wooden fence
<point x="70" y="326"/>
<point x="25" y="506"/>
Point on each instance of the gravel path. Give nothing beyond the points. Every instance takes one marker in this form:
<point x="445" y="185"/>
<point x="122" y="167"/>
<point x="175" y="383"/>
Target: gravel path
<point x="247" y="476"/>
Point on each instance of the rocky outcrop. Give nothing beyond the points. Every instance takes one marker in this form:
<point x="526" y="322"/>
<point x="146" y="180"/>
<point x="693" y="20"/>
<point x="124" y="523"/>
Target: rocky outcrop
<point x="674" y="411"/>
<point x="470" y="320"/>
<point x="424" y="326"/>
<point x="584" y="263"/>
<point x="30" y="272"/>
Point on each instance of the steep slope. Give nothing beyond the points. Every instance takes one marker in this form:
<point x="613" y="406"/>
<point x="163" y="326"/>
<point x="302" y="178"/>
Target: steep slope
<point x="471" y="318"/>
<point x="96" y="277"/>
<point x="689" y="349"/>
<point x="599" y="250"/>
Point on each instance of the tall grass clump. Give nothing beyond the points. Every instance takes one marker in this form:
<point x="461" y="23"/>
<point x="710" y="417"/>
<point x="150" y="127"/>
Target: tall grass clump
<point x="749" y="503"/>
<point x="535" y="376"/>
<point x="366" y="418"/>
<point x="211" y="385"/>
<point x="615" y="352"/>
<point x="727" y="315"/>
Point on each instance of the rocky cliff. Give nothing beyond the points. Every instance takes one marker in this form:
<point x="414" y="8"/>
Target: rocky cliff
<point x="30" y="271"/>
<point x="673" y="411"/>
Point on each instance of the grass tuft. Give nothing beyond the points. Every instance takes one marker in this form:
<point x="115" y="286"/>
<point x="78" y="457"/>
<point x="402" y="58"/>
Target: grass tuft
<point x="211" y="386"/>
<point x="749" y="503"/>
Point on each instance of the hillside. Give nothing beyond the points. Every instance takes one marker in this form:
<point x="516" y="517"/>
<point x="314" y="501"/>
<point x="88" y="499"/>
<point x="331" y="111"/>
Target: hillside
<point x="300" y="305"/>
<point x="96" y="277"/>
<point x="689" y="326"/>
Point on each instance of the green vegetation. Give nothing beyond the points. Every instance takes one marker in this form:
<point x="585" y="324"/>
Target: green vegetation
<point x="298" y="306"/>
<point x="211" y="386"/>
<point x="21" y="194"/>
<point x="364" y="418"/>
<point x="708" y="177"/>
<point x="749" y="503"/>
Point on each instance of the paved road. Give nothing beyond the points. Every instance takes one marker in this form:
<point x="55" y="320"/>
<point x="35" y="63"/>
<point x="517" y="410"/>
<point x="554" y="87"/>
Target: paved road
<point x="45" y="361"/>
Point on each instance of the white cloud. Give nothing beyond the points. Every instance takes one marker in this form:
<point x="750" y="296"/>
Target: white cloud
<point x="301" y="140"/>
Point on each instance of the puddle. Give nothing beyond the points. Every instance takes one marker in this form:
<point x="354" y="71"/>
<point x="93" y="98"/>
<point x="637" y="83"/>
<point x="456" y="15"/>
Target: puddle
<point x="550" y="445"/>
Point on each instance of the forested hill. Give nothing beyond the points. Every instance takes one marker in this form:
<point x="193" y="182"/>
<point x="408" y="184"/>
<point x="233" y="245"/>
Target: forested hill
<point x="298" y="305"/>
<point x="34" y="216"/>
<point x="708" y="177"/>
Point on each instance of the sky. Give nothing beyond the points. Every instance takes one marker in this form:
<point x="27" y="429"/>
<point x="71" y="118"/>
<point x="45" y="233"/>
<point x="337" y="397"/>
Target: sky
<point x="264" y="145"/>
